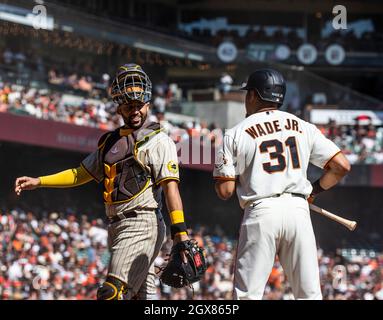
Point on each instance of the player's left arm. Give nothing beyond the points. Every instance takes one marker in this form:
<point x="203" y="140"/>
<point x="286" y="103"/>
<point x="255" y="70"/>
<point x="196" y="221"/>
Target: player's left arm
<point x="163" y="160"/>
<point x="176" y="213"/>
<point x="224" y="169"/>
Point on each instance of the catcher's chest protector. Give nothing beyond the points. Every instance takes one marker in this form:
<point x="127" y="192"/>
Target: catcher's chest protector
<point x="125" y="176"/>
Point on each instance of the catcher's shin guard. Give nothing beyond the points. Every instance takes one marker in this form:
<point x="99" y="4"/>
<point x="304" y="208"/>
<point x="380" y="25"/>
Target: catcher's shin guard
<point x="111" y="289"/>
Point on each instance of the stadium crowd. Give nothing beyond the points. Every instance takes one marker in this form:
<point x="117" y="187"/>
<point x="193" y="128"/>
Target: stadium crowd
<point x="362" y="143"/>
<point x="43" y="104"/>
<point x="61" y="256"/>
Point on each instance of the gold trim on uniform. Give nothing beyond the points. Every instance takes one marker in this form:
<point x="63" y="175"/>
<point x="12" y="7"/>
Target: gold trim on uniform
<point x="109" y="184"/>
<point x="115" y="290"/>
<point x="108" y="197"/>
<point x="167" y="178"/>
<point x="110" y="171"/>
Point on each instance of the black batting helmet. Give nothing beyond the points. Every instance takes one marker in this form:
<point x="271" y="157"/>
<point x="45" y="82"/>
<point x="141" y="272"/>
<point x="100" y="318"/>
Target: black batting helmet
<point x="131" y="83"/>
<point x="269" y="84"/>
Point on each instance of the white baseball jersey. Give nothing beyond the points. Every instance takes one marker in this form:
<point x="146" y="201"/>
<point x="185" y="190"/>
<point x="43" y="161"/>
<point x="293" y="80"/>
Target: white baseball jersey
<point x="269" y="153"/>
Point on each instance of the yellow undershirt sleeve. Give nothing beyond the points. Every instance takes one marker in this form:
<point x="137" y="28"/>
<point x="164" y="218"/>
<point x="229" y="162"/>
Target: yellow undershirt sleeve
<point x="66" y="179"/>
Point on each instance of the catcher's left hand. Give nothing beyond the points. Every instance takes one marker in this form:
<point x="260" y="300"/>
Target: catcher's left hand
<point x="178" y="273"/>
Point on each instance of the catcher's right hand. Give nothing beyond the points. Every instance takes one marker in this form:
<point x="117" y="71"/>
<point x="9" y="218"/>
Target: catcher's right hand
<point x="177" y="273"/>
<point x="26" y="183"/>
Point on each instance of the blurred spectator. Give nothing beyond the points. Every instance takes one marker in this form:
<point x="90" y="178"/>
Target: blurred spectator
<point x="226" y="82"/>
<point x="85" y="84"/>
<point x="20" y="59"/>
<point x="105" y="80"/>
<point x="159" y="104"/>
<point x="8" y="56"/>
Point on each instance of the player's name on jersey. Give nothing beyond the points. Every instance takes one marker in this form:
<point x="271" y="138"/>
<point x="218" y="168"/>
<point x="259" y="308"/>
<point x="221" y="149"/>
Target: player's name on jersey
<point x="266" y="128"/>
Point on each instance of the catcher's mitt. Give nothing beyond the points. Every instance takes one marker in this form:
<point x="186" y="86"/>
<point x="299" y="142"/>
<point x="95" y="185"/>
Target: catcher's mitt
<point x="178" y="274"/>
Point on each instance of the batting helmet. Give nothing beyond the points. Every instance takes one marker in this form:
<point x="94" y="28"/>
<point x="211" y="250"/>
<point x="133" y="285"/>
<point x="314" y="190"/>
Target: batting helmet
<point x="131" y="83"/>
<point x="269" y="84"/>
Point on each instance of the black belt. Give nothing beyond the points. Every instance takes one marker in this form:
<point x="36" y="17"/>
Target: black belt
<point x="292" y="193"/>
<point x="127" y="215"/>
<point x="122" y="216"/>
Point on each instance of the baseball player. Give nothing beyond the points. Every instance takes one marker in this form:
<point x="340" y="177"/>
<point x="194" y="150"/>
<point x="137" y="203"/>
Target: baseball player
<point x="265" y="158"/>
<point x="134" y="163"/>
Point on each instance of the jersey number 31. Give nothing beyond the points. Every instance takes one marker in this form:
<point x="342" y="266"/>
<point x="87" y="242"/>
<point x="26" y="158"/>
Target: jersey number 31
<point x="279" y="154"/>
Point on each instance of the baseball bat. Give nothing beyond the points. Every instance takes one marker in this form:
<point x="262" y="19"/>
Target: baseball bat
<point x="351" y="225"/>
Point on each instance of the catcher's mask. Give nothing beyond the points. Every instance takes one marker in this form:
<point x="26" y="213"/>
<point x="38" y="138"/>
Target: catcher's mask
<point x="131" y="83"/>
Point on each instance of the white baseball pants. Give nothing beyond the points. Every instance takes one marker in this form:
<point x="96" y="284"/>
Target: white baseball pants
<point x="277" y="225"/>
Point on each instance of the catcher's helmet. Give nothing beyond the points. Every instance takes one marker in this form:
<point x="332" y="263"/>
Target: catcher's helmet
<point x="131" y="83"/>
<point x="269" y="84"/>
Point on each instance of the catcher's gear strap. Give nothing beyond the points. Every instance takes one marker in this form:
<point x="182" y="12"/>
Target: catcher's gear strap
<point x="111" y="289"/>
<point x="67" y="178"/>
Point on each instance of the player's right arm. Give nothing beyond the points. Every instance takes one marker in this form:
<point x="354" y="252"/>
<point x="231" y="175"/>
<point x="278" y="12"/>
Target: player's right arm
<point x="91" y="168"/>
<point x="224" y="170"/>
<point x="64" y="179"/>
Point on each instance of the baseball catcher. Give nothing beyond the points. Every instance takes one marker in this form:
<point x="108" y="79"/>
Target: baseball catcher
<point x="186" y="265"/>
<point x="134" y="163"/>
